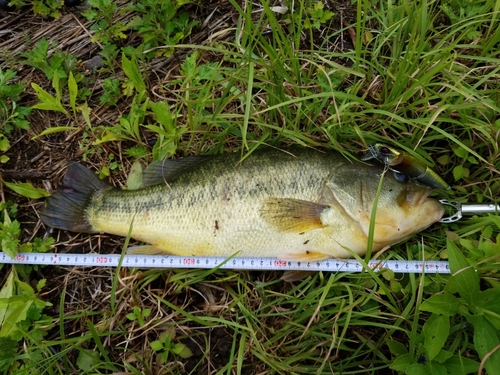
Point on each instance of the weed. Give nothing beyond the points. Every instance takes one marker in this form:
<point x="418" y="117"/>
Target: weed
<point x="12" y="115"/>
<point x="315" y="14"/>
<point x="157" y="22"/>
<point x="466" y="11"/>
<point x="134" y="80"/>
<point x="160" y="24"/>
<point x="113" y="165"/>
<point x="106" y="30"/>
<point x="112" y="92"/>
<point x="10" y="229"/>
<point x="20" y="307"/>
<point x="139" y="315"/>
<point x="165" y="346"/>
<point x="48" y="102"/>
<point x="41" y="7"/>
<point x="60" y="61"/>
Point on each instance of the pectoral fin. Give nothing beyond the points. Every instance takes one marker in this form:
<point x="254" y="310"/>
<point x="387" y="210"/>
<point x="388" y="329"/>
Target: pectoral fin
<point x="292" y="215"/>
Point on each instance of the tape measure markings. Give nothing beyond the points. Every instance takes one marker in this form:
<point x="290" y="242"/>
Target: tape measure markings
<point x="240" y="263"/>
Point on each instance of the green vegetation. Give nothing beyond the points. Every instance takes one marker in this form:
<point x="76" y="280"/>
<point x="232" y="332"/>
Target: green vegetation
<point x="41" y="7"/>
<point x="187" y="77"/>
<point x="12" y="115"/>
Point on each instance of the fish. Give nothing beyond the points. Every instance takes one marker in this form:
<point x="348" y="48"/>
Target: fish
<point x="294" y="204"/>
<point x="405" y="166"/>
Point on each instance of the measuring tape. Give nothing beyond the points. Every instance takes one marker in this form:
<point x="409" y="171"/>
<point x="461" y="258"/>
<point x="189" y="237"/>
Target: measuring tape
<point x="239" y="263"/>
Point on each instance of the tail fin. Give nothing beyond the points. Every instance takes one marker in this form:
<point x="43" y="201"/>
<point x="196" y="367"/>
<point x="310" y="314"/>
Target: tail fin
<point x="65" y="208"/>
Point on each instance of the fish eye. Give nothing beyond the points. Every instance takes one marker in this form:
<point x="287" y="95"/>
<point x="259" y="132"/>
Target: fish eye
<point x="385" y="151"/>
<point x="401" y="177"/>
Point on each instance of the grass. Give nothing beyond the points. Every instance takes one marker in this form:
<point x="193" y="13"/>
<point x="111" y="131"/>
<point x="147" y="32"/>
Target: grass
<point x="422" y="76"/>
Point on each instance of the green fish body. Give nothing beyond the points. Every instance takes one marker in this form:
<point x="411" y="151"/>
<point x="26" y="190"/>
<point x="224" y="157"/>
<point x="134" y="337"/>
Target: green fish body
<point x="296" y="204"/>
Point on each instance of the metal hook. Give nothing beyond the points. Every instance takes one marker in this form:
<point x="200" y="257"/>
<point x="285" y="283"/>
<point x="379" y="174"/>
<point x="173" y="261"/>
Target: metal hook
<point x="457" y="206"/>
<point x="467" y="209"/>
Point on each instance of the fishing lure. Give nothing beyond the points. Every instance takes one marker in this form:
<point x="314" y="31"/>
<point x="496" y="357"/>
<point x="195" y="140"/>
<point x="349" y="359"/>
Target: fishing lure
<point x="403" y="164"/>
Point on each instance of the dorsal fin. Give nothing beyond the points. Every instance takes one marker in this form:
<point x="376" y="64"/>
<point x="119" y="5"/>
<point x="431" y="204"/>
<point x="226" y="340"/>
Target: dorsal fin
<point x="166" y="171"/>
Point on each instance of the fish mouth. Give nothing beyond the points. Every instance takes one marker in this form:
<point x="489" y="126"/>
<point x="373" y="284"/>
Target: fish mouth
<point x="420" y="197"/>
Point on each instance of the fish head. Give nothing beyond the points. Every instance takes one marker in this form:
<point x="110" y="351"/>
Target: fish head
<point x="403" y="214"/>
<point x="403" y="207"/>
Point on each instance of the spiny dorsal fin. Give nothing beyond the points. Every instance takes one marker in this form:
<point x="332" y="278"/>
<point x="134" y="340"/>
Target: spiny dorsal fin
<point x="166" y="171"/>
<point x="292" y="215"/>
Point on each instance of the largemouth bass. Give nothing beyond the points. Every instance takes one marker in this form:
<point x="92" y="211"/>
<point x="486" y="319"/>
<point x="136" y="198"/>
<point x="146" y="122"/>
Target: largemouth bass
<point x="297" y="204"/>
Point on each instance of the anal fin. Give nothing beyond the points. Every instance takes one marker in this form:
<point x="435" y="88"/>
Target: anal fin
<point x="145" y="250"/>
<point x="306" y="256"/>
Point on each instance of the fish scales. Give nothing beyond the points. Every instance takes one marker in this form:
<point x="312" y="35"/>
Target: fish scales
<point x="309" y="205"/>
<point x="188" y="210"/>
